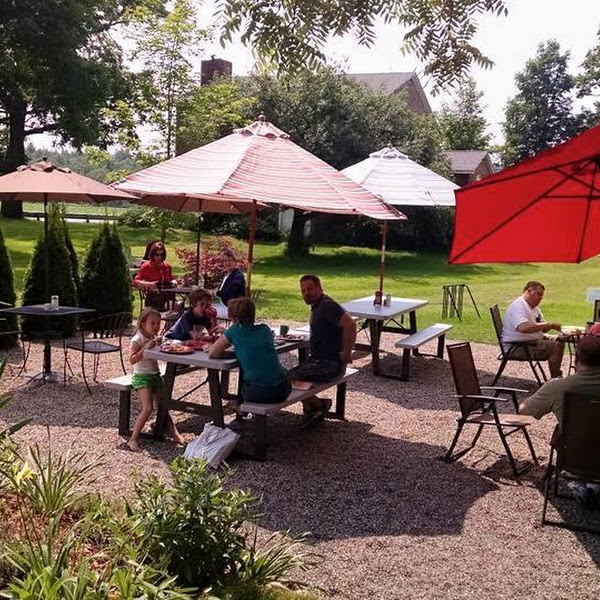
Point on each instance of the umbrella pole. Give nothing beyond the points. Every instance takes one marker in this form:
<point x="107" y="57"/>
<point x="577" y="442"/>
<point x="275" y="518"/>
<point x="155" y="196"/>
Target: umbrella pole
<point x="198" y="248"/>
<point x="382" y="261"/>
<point x="46" y="249"/>
<point x="251" y="247"/>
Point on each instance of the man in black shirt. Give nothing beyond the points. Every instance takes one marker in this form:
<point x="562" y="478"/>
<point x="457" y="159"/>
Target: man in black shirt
<point x="332" y="337"/>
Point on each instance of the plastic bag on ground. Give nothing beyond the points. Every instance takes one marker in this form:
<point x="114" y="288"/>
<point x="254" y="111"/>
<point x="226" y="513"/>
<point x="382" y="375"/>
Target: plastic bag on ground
<point x="214" y="444"/>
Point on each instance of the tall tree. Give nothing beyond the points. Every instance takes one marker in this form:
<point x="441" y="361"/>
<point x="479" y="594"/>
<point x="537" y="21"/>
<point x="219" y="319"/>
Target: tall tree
<point x="167" y="45"/>
<point x="541" y="114"/>
<point x="60" y="72"/>
<point x="588" y="83"/>
<point x="462" y="123"/>
<point x="292" y="33"/>
<point x="210" y="112"/>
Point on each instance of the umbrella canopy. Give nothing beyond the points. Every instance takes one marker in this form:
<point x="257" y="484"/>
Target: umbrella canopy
<point x="45" y="182"/>
<point x="401" y="181"/>
<point x="545" y="209"/>
<point x="258" y="162"/>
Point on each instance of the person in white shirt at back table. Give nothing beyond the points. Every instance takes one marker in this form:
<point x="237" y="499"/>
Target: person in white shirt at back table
<point x="525" y="324"/>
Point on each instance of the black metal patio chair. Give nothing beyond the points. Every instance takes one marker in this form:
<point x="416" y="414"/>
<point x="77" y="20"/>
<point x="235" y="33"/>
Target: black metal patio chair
<point x="97" y="336"/>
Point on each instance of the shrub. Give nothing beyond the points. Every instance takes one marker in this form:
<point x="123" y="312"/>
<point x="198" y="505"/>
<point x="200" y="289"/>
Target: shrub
<point x="105" y="282"/>
<point x="60" y="276"/>
<point x="7" y="294"/>
<point x="159" y="219"/>
<point x="72" y="254"/>
<point x="238" y="226"/>
<point x="212" y="266"/>
<point x="194" y="527"/>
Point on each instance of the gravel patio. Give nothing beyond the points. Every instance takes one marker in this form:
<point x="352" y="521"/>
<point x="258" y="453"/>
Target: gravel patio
<point x="390" y="519"/>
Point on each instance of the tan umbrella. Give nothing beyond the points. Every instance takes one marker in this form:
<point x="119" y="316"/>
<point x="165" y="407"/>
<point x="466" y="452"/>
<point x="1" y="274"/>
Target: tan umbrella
<point x="45" y="182"/>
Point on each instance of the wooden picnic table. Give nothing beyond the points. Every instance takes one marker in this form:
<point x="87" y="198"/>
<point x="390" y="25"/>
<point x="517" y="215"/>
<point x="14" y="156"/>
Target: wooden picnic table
<point x="218" y="370"/>
<point x="379" y="318"/>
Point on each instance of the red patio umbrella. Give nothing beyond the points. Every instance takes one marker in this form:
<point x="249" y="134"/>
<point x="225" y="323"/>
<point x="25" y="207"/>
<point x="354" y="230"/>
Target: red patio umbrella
<point x="545" y="209"/>
<point x="258" y="163"/>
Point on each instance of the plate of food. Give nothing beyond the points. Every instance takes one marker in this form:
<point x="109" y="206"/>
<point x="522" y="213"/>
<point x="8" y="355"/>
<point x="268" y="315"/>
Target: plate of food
<point x="572" y="329"/>
<point x="177" y="349"/>
<point x="197" y="344"/>
<point x="294" y="337"/>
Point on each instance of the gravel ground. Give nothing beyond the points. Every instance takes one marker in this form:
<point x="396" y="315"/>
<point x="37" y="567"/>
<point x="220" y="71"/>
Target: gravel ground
<point x="390" y="519"/>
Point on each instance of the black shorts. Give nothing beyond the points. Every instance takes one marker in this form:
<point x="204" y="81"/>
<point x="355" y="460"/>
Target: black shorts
<point x="318" y="370"/>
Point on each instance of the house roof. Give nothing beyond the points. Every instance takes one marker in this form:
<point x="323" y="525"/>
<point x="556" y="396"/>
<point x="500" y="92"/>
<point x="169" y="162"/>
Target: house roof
<point x="466" y="161"/>
<point x="388" y="83"/>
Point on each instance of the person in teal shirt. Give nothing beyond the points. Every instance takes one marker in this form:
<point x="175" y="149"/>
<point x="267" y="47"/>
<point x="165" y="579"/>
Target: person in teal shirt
<point x="264" y="380"/>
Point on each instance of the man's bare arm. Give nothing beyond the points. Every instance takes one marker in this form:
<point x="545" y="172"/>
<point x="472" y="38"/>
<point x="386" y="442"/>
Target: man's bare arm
<point x="533" y="327"/>
<point x="348" y="337"/>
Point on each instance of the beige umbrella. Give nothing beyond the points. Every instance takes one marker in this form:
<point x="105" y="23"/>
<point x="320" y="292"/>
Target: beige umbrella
<point x="45" y="182"/>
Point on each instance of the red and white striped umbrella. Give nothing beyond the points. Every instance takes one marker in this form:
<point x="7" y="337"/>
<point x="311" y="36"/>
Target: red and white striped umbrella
<point x="258" y="162"/>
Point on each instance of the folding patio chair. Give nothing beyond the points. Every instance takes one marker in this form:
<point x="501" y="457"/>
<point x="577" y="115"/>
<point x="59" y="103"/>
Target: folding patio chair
<point x="507" y="354"/>
<point x="575" y="453"/>
<point x="480" y="410"/>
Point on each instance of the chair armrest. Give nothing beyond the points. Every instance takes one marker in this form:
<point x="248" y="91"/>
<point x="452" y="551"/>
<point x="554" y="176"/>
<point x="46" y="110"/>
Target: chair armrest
<point x="482" y="398"/>
<point x="504" y="389"/>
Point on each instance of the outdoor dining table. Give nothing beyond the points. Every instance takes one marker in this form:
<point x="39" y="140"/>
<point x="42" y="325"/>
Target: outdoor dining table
<point x="40" y="310"/>
<point x="218" y="370"/>
<point x="379" y="318"/>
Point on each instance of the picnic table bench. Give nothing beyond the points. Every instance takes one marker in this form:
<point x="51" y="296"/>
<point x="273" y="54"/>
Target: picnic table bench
<point x="413" y="342"/>
<point x="261" y="411"/>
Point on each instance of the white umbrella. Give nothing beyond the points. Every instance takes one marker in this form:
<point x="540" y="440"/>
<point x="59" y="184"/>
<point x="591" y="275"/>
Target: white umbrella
<point x="401" y="181"/>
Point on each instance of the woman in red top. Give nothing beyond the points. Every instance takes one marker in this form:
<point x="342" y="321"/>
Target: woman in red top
<point x="154" y="274"/>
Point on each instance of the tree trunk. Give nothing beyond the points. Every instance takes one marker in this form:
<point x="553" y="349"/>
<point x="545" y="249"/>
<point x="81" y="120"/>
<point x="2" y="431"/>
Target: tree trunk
<point x="296" y="245"/>
<point x="15" y="152"/>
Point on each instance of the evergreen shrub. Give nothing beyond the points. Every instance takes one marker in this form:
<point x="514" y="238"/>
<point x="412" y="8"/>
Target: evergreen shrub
<point x="7" y="294"/>
<point x="60" y="279"/>
<point x="105" y="280"/>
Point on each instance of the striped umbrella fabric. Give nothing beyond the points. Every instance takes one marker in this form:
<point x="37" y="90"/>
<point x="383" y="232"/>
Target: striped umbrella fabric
<point x="257" y="163"/>
<point x="400" y="180"/>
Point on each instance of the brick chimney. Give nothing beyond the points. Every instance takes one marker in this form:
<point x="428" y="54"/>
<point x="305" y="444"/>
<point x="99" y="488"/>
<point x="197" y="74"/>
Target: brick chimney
<point x="214" y="68"/>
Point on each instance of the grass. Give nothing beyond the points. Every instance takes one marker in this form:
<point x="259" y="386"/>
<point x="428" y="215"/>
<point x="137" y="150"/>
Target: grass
<point x="349" y="272"/>
<point x="79" y="208"/>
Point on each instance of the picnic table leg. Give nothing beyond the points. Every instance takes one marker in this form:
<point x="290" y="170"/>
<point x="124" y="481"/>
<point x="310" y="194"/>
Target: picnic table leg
<point x="405" y="364"/>
<point x="163" y="405"/>
<point x="216" y="400"/>
<point x="375" y="331"/>
<point x="302" y="355"/>
<point x="440" y="346"/>
<point x="340" y="401"/>
<point x="260" y="437"/>
<point x="412" y="316"/>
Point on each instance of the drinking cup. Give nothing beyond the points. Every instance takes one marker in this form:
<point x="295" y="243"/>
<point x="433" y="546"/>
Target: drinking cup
<point x="283" y="329"/>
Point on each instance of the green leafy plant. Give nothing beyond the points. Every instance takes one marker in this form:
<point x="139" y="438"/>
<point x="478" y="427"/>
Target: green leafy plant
<point x="272" y="561"/>
<point x="51" y="484"/>
<point x="194" y="527"/>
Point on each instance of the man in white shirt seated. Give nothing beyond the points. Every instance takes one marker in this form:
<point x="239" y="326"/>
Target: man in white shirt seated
<point x="524" y="324"/>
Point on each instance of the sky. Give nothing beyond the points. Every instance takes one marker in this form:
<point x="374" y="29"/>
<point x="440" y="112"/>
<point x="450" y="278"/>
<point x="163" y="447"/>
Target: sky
<point x="509" y="41"/>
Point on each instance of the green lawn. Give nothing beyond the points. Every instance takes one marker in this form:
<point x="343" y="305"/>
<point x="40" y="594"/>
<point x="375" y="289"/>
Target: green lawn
<point x="353" y="272"/>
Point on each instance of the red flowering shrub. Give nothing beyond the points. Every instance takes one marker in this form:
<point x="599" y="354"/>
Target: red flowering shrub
<point x="212" y="265"/>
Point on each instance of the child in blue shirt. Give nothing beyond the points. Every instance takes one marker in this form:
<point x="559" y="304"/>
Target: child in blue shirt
<point x="264" y="379"/>
<point x="198" y="317"/>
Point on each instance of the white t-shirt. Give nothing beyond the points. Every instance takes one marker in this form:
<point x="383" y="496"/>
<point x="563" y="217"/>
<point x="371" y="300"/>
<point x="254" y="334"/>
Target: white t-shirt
<point x="147" y="366"/>
<point x="519" y="312"/>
